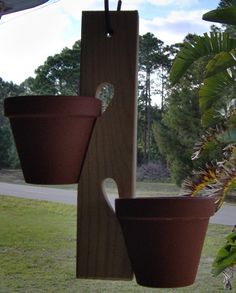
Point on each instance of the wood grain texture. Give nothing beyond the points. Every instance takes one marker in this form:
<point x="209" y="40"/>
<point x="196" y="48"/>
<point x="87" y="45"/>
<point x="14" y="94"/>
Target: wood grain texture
<point x="101" y="251"/>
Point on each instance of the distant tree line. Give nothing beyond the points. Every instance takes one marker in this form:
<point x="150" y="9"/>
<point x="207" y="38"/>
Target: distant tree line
<point x="8" y="155"/>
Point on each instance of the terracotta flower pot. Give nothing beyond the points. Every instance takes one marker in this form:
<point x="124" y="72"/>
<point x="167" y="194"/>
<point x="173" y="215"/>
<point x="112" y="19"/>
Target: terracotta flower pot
<point x="51" y="135"/>
<point x="164" y="237"/>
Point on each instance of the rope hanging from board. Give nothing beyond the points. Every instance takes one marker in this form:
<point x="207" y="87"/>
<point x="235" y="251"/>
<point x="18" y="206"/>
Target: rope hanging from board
<point x="109" y="30"/>
<point x="119" y="5"/>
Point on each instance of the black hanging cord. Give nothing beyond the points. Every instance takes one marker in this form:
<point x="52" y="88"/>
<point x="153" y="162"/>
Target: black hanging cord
<point x="109" y="30"/>
<point x="119" y="5"/>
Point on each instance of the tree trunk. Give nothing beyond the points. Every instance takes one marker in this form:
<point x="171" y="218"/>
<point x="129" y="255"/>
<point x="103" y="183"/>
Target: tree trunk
<point x="149" y="119"/>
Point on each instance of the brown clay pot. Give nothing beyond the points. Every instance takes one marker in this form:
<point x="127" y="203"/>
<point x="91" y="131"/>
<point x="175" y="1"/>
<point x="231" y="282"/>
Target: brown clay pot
<point x="51" y="134"/>
<point x="164" y="237"/>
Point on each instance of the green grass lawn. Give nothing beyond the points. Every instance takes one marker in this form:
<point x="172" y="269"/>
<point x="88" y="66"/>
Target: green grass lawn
<point x="37" y="252"/>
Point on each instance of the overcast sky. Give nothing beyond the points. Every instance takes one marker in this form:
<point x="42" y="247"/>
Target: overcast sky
<point x="29" y="37"/>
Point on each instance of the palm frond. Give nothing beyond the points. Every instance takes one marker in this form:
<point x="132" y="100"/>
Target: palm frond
<point x="226" y="256"/>
<point x="201" y="46"/>
<point x="213" y="88"/>
<point x="221" y="62"/>
<point x="200" y="180"/>
<point x="211" y="117"/>
<point x="224" y="15"/>
<point x="209" y="135"/>
<point x="215" y="180"/>
<point x="231" y="116"/>
<point x="226" y="174"/>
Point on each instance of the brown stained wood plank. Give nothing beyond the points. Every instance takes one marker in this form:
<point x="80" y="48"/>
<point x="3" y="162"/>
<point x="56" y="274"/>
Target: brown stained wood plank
<point x="101" y="251"/>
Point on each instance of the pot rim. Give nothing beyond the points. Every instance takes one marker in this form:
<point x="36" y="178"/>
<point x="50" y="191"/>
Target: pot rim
<point x="167" y="207"/>
<point x="49" y="105"/>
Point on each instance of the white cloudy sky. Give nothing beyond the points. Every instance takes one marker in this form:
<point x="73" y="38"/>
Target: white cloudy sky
<point x="27" y="38"/>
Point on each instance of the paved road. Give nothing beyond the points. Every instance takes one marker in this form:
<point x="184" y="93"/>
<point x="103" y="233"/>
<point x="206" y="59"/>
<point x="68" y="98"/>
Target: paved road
<point x="37" y="192"/>
<point x="226" y="215"/>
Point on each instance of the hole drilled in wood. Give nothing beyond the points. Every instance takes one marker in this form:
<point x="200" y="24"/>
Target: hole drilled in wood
<point x="110" y="191"/>
<point x="105" y="92"/>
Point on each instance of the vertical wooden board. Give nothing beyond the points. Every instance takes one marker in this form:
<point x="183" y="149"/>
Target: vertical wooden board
<point x="101" y="251"/>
